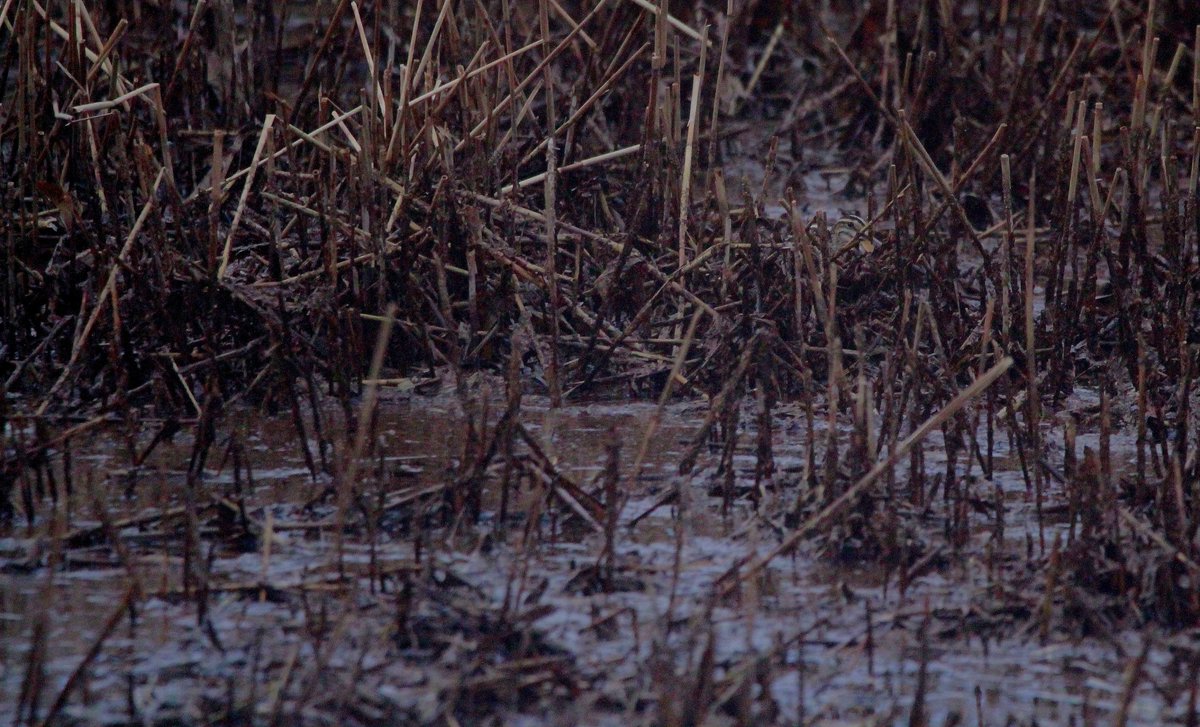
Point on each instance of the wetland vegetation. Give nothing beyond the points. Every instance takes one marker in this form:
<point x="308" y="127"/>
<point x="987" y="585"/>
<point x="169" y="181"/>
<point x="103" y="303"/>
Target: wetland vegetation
<point x="664" y="362"/>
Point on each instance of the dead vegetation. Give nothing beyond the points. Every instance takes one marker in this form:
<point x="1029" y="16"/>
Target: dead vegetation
<point x="213" y="206"/>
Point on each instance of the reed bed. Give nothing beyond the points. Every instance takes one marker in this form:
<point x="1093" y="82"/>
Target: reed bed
<point x="301" y="208"/>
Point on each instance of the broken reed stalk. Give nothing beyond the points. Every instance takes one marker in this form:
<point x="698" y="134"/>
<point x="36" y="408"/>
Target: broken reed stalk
<point x="686" y="182"/>
<point x="761" y="66"/>
<point x="714" y="117"/>
<point x="537" y="73"/>
<point x="264" y="134"/>
<point x="1007" y="248"/>
<point x="612" y="504"/>
<point x="1146" y="531"/>
<point x="665" y="396"/>
<point x="364" y="427"/>
<point x="1032" y="403"/>
<point x="573" y="166"/>
<point x="1132" y="677"/>
<point x="77" y="674"/>
<point x="601" y="92"/>
<point x="105" y="295"/>
<point x="835" y="384"/>
<point x="737" y="575"/>
<point x="555" y="295"/>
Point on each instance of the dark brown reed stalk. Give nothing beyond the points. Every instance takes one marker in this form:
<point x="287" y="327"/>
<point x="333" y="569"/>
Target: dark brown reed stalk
<point x="870" y="645"/>
<point x="730" y="417"/>
<point x="1142" y="414"/>
<point x="764" y="466"/>
<point x="918" y="715"/>
<point x="689" y="154"/>
<point x="506" y="436"/>
<point x="346" y="482"/>
<point x="101" y="512"/>
<point x="1193" y="713"/>
<point x="1133" y="671"/>
<point x="103" y="299"/>
<point x="1075" y="494"/>
<point x="34" y="680"/>
<point x="725" y="400"/>
<point x="668" y="388"/>
<point x="612" y="504"/>
<point x="835" y="380"/>
<point x="1032" y="396"/>
<point x="1054" y="568"/>
<point x="837" y="506"/>
<point x="551" y="266"/>
<point x="77" y="674"/>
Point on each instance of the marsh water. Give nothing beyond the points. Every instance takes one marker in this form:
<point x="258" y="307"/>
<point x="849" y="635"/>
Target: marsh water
<point x="286" y="621"/>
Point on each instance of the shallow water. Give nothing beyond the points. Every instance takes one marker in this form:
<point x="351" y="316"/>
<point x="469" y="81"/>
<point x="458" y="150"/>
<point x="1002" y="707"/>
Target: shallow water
<point x="806" y="622"/>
